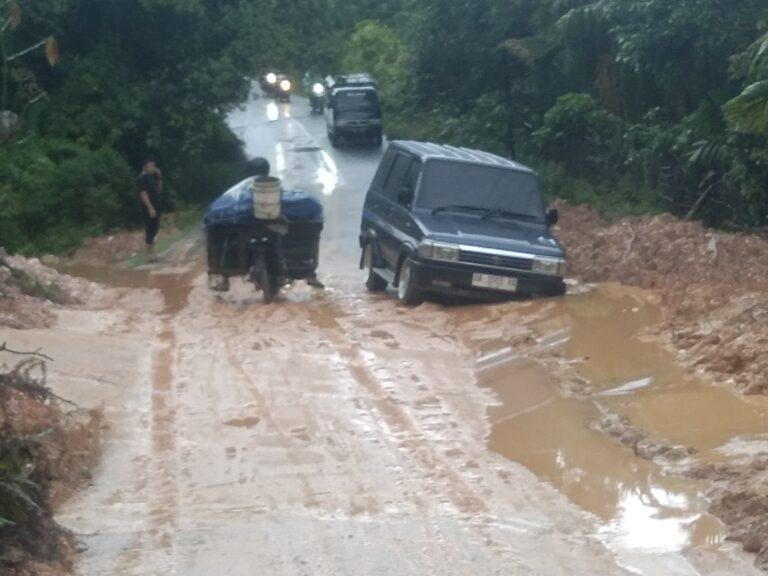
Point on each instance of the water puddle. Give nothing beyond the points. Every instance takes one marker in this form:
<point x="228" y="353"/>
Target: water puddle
<point x="539" y="427"/>
<point x="175" y="286"/>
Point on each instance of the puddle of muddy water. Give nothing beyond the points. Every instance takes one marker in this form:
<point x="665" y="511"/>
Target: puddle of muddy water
<point x="539" y="427"/>
<point x="174" y="286"/>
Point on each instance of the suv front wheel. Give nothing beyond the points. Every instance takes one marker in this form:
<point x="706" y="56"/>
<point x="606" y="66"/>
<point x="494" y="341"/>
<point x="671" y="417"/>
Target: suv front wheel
<point x="407" y="284"/>
<point x="374" y="283"/>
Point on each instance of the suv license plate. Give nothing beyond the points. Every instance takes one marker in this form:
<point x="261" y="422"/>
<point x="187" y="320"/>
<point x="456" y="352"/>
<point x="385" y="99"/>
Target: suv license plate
<point x="495" y="282"/>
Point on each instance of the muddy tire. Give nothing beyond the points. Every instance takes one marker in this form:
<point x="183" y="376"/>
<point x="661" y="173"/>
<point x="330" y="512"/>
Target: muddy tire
<point x="558" y="290"/>
<point x="407" y="285"/>
<point x="374" y="283"/>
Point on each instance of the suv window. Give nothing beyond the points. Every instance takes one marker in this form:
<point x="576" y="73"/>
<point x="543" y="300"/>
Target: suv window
<point x="412" y="176"/>
<point x="447" y="183"/>
<point x="396" y="175"/>
<point x="357" y="101"/>
<point x="382" y="172"/>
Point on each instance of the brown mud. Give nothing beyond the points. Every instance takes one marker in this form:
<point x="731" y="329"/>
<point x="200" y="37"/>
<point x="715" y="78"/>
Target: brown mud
<point x="712" y="285"/>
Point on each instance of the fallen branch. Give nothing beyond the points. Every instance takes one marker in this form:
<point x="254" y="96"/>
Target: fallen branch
<point x="21" y="378"/>
<point x="4" y="348"/>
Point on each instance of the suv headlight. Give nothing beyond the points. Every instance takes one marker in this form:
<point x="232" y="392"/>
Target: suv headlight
<point x="439" y="251"/>
<point x="549" y="266"/>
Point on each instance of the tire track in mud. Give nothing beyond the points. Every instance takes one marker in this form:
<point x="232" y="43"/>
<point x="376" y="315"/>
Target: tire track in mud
<point x="420" y="446"/>
<point x="163" y="493"/>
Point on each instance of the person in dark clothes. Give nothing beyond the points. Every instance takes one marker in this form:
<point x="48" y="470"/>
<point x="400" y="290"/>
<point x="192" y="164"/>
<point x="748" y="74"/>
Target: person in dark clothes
<point x="149" y="186"/>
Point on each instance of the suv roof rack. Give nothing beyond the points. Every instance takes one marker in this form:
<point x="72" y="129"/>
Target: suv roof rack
<point x="427" y="150"/>
<point x="350" y="80"/>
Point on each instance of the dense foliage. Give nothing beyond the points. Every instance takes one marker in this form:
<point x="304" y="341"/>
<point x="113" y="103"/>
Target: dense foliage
<point x="632" y="106"/>
<point x="136" y="78"/>
<point x="629" y="105"/>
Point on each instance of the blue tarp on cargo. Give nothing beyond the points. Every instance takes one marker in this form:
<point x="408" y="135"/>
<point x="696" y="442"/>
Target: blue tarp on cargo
<point x="236" y="206"/>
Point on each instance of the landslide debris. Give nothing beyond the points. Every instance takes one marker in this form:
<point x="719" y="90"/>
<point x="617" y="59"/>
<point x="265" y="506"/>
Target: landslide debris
<point x="738" y="496"/>
<point x="28" y="290"/>
<point x="713" y="285"/>
<point x="47" y="447"/>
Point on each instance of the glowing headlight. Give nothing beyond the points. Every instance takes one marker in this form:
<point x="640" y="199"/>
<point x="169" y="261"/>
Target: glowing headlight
<point x="437" y="251"/>
<point x="271" y="78"/>
<point x="549" y="266"/>
<point x="285" y="85"/>
<point x="318" y="89"/>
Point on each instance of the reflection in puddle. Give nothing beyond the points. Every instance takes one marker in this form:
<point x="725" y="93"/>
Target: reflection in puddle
<point x="272" y="112"/>
<point x="280" y="161"/>
<point x="327" y="175"/>
<point x="535" y="425"/>
<point x="550" y="436"/>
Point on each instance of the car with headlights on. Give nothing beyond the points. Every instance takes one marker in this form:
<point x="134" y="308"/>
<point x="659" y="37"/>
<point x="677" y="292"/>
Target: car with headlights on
<point x="449" y="220"/>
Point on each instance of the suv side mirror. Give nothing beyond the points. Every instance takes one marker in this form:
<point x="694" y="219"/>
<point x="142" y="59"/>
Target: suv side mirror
<point x="404" y="196"/>
<point x="551" y="217"/>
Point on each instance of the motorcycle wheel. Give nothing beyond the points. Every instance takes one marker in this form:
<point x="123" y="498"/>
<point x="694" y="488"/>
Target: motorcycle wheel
<point x="267" y="284"/>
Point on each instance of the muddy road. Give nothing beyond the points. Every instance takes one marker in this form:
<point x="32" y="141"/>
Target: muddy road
<point x="336" y="432"/>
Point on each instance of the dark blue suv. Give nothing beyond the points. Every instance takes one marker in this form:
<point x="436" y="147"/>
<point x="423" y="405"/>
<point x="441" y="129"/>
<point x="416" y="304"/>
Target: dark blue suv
<point x="441" y="219"/>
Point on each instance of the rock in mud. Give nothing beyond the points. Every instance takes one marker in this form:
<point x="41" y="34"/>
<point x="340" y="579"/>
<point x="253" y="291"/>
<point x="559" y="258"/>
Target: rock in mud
<point x="621" y="429"/>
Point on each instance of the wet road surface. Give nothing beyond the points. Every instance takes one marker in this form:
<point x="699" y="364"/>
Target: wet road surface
<point x="336" y="432"/>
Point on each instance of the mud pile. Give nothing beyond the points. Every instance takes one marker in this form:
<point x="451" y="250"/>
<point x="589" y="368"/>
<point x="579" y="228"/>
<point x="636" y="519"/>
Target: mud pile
<point x="28" y="289"/>
<point x="47" y="447"/>
<point x="738" y="497"/>
<point x="713" y="285"/>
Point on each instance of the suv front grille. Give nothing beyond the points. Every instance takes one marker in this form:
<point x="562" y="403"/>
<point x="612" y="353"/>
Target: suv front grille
<point x="495" y="260"/>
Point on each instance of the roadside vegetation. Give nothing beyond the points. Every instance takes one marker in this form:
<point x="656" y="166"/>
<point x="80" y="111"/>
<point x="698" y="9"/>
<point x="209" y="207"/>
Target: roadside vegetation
<point x="47" y="446"/>
<point x="632" y="107"/>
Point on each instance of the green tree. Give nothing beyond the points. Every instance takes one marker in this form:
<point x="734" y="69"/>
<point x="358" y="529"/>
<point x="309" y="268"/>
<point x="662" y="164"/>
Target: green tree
<point x="376" y="49"/>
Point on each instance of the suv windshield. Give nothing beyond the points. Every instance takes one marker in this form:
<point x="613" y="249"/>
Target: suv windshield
<point x="504" y="192"/>
<point x="357" y="102"/>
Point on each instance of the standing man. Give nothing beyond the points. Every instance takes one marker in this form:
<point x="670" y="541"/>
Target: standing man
<point x="149" y="186"/>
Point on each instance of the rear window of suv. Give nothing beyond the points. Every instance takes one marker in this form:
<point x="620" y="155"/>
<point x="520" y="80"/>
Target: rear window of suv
<point x="364" y="101"/>
<point x="447" y="183"/>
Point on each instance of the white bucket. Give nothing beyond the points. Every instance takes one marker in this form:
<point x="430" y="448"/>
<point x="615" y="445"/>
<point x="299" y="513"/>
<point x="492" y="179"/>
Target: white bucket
<point x="267" y="198"/>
